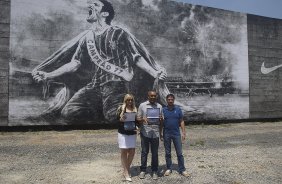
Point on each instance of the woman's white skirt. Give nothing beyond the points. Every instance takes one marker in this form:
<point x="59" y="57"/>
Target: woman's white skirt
<point x="126" y="141"/>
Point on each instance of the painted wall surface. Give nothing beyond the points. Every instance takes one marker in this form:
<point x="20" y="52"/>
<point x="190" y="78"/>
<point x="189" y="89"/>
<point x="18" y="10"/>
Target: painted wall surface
<point x="265" y="59"/>
<point x="4" y="60"/>
<point x="204" y="52"/>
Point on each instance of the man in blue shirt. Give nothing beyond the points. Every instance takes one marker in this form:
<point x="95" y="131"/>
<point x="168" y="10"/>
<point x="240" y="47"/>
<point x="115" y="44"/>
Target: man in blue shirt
<point x="173" y="118"/>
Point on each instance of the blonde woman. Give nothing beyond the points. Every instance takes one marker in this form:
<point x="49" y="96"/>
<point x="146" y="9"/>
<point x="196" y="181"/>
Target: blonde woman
<point x="127" y="136"/>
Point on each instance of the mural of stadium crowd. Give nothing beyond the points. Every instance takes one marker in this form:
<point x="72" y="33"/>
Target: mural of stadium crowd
<point x="71" y="62"/>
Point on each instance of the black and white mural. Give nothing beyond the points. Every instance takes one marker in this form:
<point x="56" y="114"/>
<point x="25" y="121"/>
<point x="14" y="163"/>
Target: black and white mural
<point x="72" y="61"/>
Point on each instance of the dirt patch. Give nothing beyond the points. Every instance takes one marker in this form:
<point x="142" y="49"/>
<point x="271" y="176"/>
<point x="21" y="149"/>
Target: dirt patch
<point x="227" y="153"/>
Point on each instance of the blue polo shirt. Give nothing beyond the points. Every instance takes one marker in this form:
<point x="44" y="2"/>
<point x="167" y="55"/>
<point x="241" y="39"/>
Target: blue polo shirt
<point x="172" y="119"/>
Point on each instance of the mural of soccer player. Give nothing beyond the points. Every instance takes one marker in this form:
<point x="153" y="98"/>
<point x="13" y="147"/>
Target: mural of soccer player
<point x="97" y="68"/>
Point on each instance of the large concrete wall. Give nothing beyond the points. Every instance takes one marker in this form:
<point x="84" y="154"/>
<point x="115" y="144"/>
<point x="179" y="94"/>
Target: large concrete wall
<point x="265" y="46"/>
<point x="213" y="57"/>
<point x="4" y="60"/>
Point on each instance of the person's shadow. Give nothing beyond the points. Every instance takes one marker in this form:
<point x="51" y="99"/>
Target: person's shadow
<point x="135" y="170"/>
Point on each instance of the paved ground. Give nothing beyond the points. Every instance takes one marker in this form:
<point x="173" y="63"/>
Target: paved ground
<point x="221" y="154"/>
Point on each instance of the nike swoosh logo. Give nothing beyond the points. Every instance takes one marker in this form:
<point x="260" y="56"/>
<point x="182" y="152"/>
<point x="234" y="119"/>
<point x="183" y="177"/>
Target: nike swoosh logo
<point x="268" y="70"/>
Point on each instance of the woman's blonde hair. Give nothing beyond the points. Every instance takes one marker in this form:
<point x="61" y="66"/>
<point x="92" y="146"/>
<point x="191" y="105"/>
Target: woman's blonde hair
<point x="123" y="106"/>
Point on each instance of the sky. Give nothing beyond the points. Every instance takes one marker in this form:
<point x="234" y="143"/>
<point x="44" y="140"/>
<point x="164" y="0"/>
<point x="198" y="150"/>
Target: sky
<point x="267" y="8"/>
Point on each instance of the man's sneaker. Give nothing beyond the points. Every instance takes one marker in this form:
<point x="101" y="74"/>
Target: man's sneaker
<point x="185" y="173"/>
<point x="155" y="176"/>
<point x="142" y="175"/>
<point x="167" y="172"/>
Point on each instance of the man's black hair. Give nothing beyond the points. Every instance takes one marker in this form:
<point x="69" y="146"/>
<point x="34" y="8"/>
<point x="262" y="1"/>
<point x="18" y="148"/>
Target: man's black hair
<point x="108" y="7"/>
<point x="170" y="95"/>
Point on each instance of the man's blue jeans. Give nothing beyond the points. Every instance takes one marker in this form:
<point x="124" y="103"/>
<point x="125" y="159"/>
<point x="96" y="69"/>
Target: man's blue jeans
<point x="176" y="139"/>
<point x="145" y="144"/>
